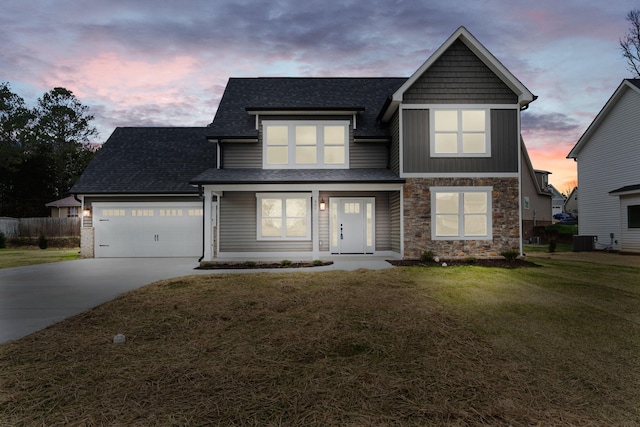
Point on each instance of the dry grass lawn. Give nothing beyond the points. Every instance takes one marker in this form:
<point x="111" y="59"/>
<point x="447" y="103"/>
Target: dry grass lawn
<point x="458" y="346"/>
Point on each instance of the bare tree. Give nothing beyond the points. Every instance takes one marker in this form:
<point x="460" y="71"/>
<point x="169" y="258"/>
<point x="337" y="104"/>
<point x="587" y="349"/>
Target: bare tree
<point x="630" y="43"/>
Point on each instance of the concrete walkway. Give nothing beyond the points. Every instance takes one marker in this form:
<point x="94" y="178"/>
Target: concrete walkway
<point x="34" y="297"/>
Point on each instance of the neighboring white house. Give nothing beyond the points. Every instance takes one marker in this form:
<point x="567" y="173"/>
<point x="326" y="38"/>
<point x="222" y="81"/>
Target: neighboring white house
<point x="571" y="204"/>
<point x="608" y="156"/>
<point x="557" y="201"/>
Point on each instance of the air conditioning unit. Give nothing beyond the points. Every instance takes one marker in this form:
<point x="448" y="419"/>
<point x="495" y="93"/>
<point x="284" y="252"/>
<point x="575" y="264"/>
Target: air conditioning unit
<point x="535" y="240"/>
<point x="583" y="243"/>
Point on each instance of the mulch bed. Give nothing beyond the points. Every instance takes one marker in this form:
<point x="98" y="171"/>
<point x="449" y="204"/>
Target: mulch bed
<point x="255" y="265"/>
<point x="500" y="263"/>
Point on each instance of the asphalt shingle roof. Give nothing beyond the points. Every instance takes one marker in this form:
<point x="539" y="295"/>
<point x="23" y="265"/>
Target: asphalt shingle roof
<point x="233" y="120"/>
<point x="293" y="176"/>
<point x="148" y="160"/>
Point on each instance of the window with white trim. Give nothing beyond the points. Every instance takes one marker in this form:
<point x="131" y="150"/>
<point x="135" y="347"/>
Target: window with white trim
<point x="460" y="132"/>
<point x="284" y="216"/>
<point x="461" y="213"/>
<point x="305" y="144"/>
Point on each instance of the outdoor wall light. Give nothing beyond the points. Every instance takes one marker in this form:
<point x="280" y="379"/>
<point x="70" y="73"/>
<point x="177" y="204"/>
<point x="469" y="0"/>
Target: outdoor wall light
<point x="323" y="205"/>
<point x="86" y="212"/>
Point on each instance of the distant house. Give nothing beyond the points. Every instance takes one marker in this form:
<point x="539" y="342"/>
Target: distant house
<point x="64" y="208"/>
<point x="318" y="167"/>
<point x="608" y="156"/>
<point x="536" y="197"/>
<point x="557" y="201"/>
<point x="571" y="204"/>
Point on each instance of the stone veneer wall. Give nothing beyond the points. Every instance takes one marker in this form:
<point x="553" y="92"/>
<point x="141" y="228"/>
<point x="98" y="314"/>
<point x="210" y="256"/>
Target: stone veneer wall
<point x="417" y="219"/>
<point x="86" y="242"/>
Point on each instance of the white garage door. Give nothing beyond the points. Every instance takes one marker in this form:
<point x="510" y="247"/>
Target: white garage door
<point x="148" y="229"/>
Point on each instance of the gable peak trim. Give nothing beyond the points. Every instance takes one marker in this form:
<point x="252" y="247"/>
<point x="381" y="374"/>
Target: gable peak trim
<point x="465" y="36"/>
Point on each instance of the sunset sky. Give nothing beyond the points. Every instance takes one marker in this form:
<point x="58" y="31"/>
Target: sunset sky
<point x="166" y="63"/>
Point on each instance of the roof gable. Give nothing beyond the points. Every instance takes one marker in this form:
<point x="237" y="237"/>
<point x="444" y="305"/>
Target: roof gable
<point x="463" y="35"/>
<point x="626" y="85"/>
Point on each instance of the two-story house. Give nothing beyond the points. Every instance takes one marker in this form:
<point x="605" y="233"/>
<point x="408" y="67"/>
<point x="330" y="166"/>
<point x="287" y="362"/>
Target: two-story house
<point x="312" y="167"/>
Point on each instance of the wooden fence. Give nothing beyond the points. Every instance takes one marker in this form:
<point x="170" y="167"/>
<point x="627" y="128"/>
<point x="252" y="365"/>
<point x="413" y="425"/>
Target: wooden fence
<point x="34" y="227"/>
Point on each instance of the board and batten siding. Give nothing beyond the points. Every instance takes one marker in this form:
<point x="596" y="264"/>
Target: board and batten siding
<point x="504" y="146"/>
<point x="394" y="151"/>
<point x="238" y="227"/>
<point x="459" y="77"/>
<point x="608" y="161"/>
<point x="630" y="236"/>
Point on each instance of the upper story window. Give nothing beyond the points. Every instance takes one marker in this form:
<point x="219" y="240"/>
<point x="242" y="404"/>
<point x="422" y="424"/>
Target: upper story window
<point x="460" y="132"/>
<point x="305" y="144"/>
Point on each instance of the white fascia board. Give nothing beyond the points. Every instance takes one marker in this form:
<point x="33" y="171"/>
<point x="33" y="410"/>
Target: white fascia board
<point x="462" y="175"/>
<point x="305" y="187"/>
<point x="622" y="87"/>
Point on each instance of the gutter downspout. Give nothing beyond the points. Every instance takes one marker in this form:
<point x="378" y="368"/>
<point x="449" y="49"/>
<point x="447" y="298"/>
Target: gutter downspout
<point x="200" y="193"/>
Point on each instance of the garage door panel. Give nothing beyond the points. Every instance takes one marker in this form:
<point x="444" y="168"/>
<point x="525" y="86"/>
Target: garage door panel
<point x="148" y="230"/>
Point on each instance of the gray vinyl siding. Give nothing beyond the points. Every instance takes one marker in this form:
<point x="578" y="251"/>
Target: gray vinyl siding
<point x="382" y="212"/>
<point x="368" y="155"/>
<point x="459" y="77"/>
<point x="238" y="227"/>
<point x="362" y="155"/>
<point x="504" y="146"/>
<point x="394" y="223"/>
<point x="608" y="161"/>
<point x="394" y="152"/>
<point x="241" y="156"/>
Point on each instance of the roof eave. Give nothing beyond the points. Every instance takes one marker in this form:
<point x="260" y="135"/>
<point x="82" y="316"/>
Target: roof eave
<point x="624" y="85"/>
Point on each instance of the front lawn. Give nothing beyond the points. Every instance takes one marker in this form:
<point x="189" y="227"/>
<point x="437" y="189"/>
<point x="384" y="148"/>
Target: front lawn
<point x="14" y="257"/>
<point x="551" y="345"/>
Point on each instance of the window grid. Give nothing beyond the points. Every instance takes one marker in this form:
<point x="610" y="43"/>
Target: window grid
<point x="461" y="214"/>
<point x="460" y="133"/>
<point x="305" y="144"/>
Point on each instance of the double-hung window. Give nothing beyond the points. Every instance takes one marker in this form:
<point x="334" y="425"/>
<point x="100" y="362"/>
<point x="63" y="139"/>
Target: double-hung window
<point x="461" y="213"/>
<point x="284" y="216"/>
<point x="460" y="132"/>
<point x="305" y="144"/>
<point x="633" y="216"/>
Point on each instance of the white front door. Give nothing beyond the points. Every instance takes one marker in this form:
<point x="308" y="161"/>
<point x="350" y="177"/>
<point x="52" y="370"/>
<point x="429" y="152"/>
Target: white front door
<point x="352" y="225"/>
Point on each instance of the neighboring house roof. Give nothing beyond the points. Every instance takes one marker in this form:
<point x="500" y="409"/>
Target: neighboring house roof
<point x="532" y="172"/>
<point x="69" y="201"/>
<point x="148" y="160"/>
<point x="524" y="95"/>
<point x="627" y="84"/>
<point x="245" y="97"/>
<point x="626" y="189"/>
<point x="293" y="176"/>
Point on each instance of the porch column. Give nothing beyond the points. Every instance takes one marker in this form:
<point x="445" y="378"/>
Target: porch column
<point x="315" y="233"/>
<point x="208" y="231"/>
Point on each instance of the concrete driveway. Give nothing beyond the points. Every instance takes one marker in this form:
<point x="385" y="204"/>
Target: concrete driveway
<point x="37" y="296"/>
<point x="34" y="297"/>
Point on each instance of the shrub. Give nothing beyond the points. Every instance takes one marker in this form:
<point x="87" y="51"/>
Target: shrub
<point x="472" y="260"/>
<point x="285" y="263"/>
<point x="250" y="264"/>
<point x="552" y="245"/>
<point x="42" y="242"/>
<point x="317" y="262"/>
<point x="427" y="256"/>
<point x="3" y="240"/>
<point x="510" y="255"/>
